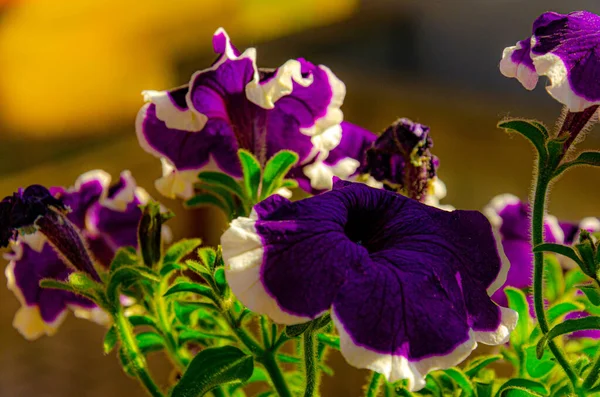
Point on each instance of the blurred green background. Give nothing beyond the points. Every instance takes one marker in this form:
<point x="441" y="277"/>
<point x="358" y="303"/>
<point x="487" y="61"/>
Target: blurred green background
<point x="71" y="73"/>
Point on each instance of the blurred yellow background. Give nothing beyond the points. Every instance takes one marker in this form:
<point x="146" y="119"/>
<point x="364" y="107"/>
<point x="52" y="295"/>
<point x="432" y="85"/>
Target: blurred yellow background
<point x="71" y="73"/>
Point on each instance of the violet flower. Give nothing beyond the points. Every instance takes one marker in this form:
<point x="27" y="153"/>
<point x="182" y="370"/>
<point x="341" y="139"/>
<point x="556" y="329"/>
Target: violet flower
<point x="511" y="220"/>
<point x="407" y="284"/>
<point x="232" y="105"/>
<point x="566" y="48"/>
<point x="99" y="219"/>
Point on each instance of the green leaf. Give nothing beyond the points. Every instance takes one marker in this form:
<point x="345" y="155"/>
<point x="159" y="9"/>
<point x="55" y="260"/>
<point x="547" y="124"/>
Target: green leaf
<point x="213" y="367"/>
<point x="252" y="174"/>
<point x="553" y="274"/>
<point x="592" y="292"/>
<point x="222" y="194"/>
<point x="540" y="126"/>
<point x="125" y="256"/>
<point x="558" y="249"/>
<point x="184" y="310"/>
<point x="567" y="327"/>
<point x="574" y="277"/>
<point x="180" y="249"/>
<point x="189" y="335"/>
<point x="586" y="251"/>
<point x="55" y="284"/>
<point x="110" y="339"/>
<point x="531" y="131"/>
<point x="208" y="257"/>
<point x="191" y="288"/>
<point x="522" y="388"/>
<point x="224" y="181"/>
<point x="141" y="320"/>
<point x="207" y="199"/>
<point x="220" y="279"/>
<point x="276" y="169"/>
<point x="125" y="275"/>
<point x="483" y="389"/>
<point x="558" y="310"/>
<point x="150" y="233"/>
<point x="329" y="340"/>
<point x="149" y="342"/>
<point x="126" y="364"/>
<point x="585" y="158"/>
<point x="538" y="368"/>
<point x="518" y="302"/>
<point x="289" y="184"/>
<point x="476" y="365"/>
<point x="461" y="380"/>
<point x="296" y="330"/>
<point x="199" y="269"/>
<point x="169" y="268"/>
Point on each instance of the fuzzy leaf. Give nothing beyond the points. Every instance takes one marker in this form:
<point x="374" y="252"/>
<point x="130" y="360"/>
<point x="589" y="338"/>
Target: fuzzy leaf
<point x="461" y="380"/>
<point x="125" y="275"/>
<point x="125" y="256"/>
<point x="531" y="131"/>
<point x="276" y="169"/>
<point x="567" y="327"/>
<point x="213" y="367"/>
<point x="252" y="174"/>
<point x="191" y="288"/>
<point x="110" y="339"/>
<point x="585" y="158"/>
<point x="553" y="274"/>
<point x="149" y="342"/>
<point x="141" y="320"/>
<point x="518" y="302"/>
<point x="224" y="181"/>
<point x="207" y="199"/>
<point x="208" y="257"/>
<point x="522" y="388"/>
<point x="538" y="368"/>
<point x="298" y="329"/>
<point x="558" y="249"/>
<point x="476" y="365"/>
<point x="592" y="292"/>
<point x="180" y="249"/>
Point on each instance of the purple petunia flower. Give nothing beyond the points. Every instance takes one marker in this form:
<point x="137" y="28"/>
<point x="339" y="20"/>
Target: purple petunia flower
<point x="105" y="216"/>
<point x="232" y="105"/>
<point x="407" y="284"/>
<point x="511" y="220"/>
<point x="566" y="48"/>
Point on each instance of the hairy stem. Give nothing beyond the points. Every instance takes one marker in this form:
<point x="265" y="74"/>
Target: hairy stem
<point x="134" y="355"/>
<point x="374" y="385"/>
<point x="279" y="384"/>
<point x="310" y="363"/>
<point x="537" y="237"/>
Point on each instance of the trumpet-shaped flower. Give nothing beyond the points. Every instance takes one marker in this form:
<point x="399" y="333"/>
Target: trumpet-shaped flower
<point x="407" y="284"/>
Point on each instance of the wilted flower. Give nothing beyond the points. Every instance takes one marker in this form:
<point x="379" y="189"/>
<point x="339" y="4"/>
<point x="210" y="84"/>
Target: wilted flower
<point x="566" y="48"/>
<point x="400" y="160"/>
<point x="232" y="105"/>
<point x="98" y="219"/>
<point x="407" y="284"/>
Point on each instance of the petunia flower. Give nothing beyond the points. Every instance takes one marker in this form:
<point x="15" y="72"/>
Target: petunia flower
<point x="100" y="219"/>
<point x="510" y="218"/>
<point x="400" y="160"/>
<point x="232" y="105"/>
<point x="564" y="47"/>
<point x="407" y="284"/>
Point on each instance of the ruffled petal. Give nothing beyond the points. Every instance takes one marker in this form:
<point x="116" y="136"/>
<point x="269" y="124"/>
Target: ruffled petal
<point x="517" y="63"/>
<point x="566" y="48"/>
<point x="383" y="263"/>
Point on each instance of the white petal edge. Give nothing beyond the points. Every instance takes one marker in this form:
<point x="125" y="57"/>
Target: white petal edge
<point x="281" y="84"/>
<point x="124" y="196"/>
<point x="591" y="224"/>
<point x="557" y="231"/>
<point x="321" y="174"/>
<point x="527" y="77"/>
<point x="243" y="256"/>
<point x="28" y="319"/>
<point x="553" y="67"/>
<point x="94" y="314"/>
<point x="508" y="322"/>
<point x="333" y="114"/>
<point x="395" y="367"/>
<point x="173" y="117"/>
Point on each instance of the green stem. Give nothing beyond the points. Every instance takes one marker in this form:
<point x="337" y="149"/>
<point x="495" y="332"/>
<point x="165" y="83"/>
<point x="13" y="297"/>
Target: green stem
<point x="537" y="238"/>
<point x="374" y="385"/>
<point x="279" y="384"/>
<point x="310" y="363"/>
<point x="134" y="355"/>
<point x="164" y="323"/>
<point x="594" y="373"/>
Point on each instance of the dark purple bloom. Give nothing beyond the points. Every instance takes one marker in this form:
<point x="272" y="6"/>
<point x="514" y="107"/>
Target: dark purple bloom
<point x="566" y="48"/>
<point x="23" y="208"/>
<point x="511" y="220"/>
<point x="103" y="218"/>
<point x="401" y="159"/>
<point x="407" y="284"/>
<point x="233" y="105"/>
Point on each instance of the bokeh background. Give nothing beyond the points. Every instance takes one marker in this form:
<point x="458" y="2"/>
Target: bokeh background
<point x="71" y="73"/>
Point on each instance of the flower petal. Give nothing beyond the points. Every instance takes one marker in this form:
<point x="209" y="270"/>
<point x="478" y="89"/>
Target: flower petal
<point x="517" y="63"/>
